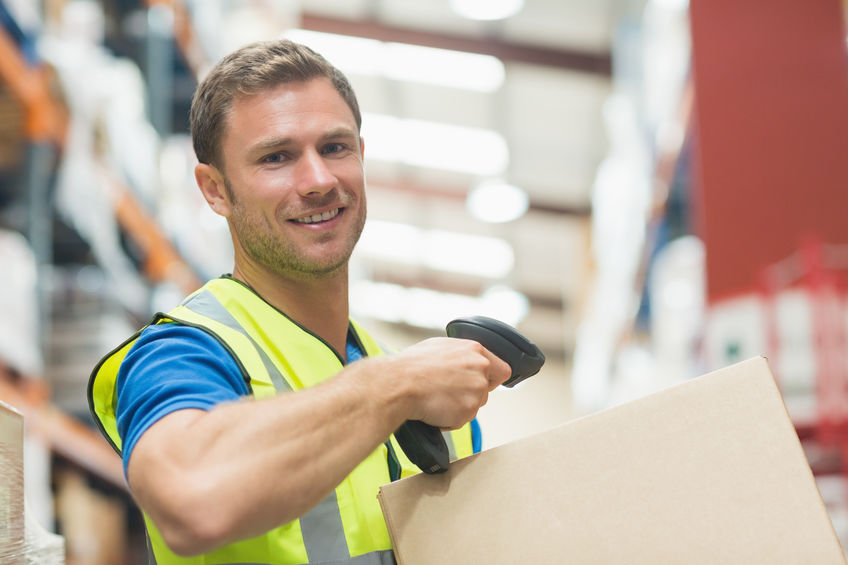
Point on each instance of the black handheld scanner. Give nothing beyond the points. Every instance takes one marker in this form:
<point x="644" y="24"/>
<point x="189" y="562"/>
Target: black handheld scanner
<point x="422" y="443"/>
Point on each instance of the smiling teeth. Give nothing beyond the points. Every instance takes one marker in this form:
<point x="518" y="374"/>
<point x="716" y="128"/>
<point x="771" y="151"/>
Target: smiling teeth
<point x="315" y="218"/>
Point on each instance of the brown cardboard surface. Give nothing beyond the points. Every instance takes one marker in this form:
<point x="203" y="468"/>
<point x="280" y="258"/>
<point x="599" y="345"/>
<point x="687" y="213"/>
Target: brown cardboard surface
<point x="710" y="471"/>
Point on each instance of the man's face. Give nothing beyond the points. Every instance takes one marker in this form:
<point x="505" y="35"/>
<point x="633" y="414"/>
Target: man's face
<point x="293" y="167"/>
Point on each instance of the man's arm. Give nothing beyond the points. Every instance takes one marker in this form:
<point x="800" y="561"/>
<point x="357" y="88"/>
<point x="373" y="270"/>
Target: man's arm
<point x="211" y="478"/>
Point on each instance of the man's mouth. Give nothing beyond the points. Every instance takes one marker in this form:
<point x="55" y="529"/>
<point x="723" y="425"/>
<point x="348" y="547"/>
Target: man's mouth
<point x="317" y="218"/>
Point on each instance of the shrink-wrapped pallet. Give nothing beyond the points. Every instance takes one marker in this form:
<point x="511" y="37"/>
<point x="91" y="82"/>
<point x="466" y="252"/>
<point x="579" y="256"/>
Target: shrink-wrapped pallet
<point x="22" y="540"/>
<point x="12" y="529"/>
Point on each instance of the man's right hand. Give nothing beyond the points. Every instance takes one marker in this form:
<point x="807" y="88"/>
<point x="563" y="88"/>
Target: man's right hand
<point x="446" y="380"/>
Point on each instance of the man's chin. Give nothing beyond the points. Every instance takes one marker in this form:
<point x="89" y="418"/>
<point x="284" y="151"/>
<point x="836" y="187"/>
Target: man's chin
<point x="313" y="270"/>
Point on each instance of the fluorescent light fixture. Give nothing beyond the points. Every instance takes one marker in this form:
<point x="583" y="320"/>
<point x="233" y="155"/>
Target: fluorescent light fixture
<point x="354" y="55"/>
<point x="402" y="61"/>
<point x="476" y="151"/>
<point x="497" y="202"/>
<point x="457" y="69"/>
<point x="476" y="255"/>
<point x="486" y="9"/>
<point x="505" y="304"/>
<point x="676" y="5"/>
<point x="427" y="308"/>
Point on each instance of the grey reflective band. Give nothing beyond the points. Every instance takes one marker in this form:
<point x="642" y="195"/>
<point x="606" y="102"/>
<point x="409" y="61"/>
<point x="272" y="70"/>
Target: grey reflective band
<point x="323" y="532"/>
<point x="451" y="447"/>
<point x="206" y="304"/>
<point x="385" y="557"/>
<point x="151" y="557"/>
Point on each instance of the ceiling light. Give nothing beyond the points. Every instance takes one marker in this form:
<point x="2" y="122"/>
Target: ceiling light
<point x="475" y="255"/>
<point x="676" y="5"/>
<point x="355" y="55"/>
<point x="476" y="151"/>
<point x="497" y="202"/>
<point x="427" y="308"/>
<point x="478" y="255"/>
<point x="401" y="61"/>
<point x="505" y="304"/>
<point x="486" y="9"/>
<point x="457" y="69"/>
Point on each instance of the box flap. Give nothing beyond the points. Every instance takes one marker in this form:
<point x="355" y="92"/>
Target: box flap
<point x="709" y="471"/>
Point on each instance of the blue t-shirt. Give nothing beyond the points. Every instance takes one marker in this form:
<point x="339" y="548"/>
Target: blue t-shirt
<point x="174" y="367"/>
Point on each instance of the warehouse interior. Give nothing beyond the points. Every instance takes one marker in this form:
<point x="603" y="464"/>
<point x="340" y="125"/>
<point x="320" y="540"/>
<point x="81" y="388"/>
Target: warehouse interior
<point x="648" y="189"/>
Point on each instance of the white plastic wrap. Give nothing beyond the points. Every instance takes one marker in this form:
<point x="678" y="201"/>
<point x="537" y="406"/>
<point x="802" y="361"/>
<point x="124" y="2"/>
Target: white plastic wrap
<point x="22" y="540"/>
<point x="42" y="547"/>
<point x="12" y="531"/>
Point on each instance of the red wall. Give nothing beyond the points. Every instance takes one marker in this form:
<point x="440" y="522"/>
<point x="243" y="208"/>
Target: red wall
<point x="771" y="132"/>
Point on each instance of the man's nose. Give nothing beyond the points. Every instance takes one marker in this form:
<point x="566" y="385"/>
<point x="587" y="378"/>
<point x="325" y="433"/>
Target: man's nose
<point x="313" y="175"/>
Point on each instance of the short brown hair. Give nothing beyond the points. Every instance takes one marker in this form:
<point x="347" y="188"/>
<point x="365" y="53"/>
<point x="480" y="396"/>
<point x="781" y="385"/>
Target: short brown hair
<point x="249" y="70"/>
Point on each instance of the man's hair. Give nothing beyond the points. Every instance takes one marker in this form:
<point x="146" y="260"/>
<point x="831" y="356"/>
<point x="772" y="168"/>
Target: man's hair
<point x="249" y="70"/>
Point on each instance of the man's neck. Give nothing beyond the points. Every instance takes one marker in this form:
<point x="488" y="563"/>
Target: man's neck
<point x="318" y="304"/>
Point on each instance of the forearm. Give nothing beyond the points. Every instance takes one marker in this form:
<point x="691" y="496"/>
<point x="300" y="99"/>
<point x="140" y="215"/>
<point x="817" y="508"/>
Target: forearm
<point x="211" y="478"/>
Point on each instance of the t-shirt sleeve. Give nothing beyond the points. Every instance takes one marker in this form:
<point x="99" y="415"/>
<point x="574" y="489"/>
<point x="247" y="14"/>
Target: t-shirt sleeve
<point x="172" y="367"/>
<point x="476" y="436"/>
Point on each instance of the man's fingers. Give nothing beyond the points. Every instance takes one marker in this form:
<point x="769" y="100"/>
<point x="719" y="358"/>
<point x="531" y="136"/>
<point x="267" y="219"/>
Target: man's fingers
<point x="499" y="370"/>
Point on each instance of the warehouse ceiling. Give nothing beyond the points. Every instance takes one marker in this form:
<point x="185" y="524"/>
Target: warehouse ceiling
<point x="549" y="108"/>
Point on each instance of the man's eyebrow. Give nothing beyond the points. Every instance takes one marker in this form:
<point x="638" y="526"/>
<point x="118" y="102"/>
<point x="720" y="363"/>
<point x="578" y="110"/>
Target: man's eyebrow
<point x="279" y="142"/>
<point x="269" y="144"/>
<point x="340" y="132"/>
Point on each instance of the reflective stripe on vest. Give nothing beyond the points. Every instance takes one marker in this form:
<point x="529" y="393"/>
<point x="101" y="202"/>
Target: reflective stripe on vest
<point x="206" y="304"/>
<point x="256" y="334"/>
<point x="385" y="557"/>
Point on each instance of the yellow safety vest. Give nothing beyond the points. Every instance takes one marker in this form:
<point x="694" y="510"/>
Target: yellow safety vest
<point x="276" y="355"/>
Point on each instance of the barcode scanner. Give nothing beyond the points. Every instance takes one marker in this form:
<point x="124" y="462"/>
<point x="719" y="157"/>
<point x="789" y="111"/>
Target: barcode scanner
<point x="424" y="444"/>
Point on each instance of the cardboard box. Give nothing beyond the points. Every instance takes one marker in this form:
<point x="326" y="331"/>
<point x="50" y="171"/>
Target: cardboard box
<point x="709" y="471"/>
<point x="12" y="531"/>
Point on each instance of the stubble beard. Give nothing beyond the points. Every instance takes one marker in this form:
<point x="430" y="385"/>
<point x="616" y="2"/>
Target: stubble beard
<point x="262" y="242"/>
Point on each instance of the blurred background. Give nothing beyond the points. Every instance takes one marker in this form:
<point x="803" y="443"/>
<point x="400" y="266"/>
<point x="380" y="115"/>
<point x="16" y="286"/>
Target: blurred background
<point x="647" y="189"/>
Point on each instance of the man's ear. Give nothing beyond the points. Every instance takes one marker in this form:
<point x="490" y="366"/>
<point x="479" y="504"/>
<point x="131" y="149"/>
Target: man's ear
<point x="211" y="183"/>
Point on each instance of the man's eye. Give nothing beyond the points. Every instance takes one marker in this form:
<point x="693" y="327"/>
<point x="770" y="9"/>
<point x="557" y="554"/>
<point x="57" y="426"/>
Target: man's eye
<point x="331" y="148"/>
<point x="273" y="158"/>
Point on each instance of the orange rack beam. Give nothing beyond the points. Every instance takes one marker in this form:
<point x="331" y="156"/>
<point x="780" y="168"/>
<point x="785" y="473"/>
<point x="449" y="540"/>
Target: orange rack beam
<point x="44" y="118"/>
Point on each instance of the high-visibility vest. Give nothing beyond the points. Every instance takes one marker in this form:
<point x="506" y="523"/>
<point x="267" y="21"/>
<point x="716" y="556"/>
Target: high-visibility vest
<point x="276" y="355"/>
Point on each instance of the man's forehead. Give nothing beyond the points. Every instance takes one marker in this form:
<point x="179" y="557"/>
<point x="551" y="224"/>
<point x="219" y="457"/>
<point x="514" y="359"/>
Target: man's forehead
<point x="290" y="90"/>
<point x="294" y="86"/>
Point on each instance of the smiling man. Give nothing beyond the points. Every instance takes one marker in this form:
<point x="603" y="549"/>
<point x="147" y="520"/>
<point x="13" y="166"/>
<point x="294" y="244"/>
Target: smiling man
<point x="256" y="419"/>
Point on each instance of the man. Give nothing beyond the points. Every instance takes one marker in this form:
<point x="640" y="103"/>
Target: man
<point x="223" y="466"/>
